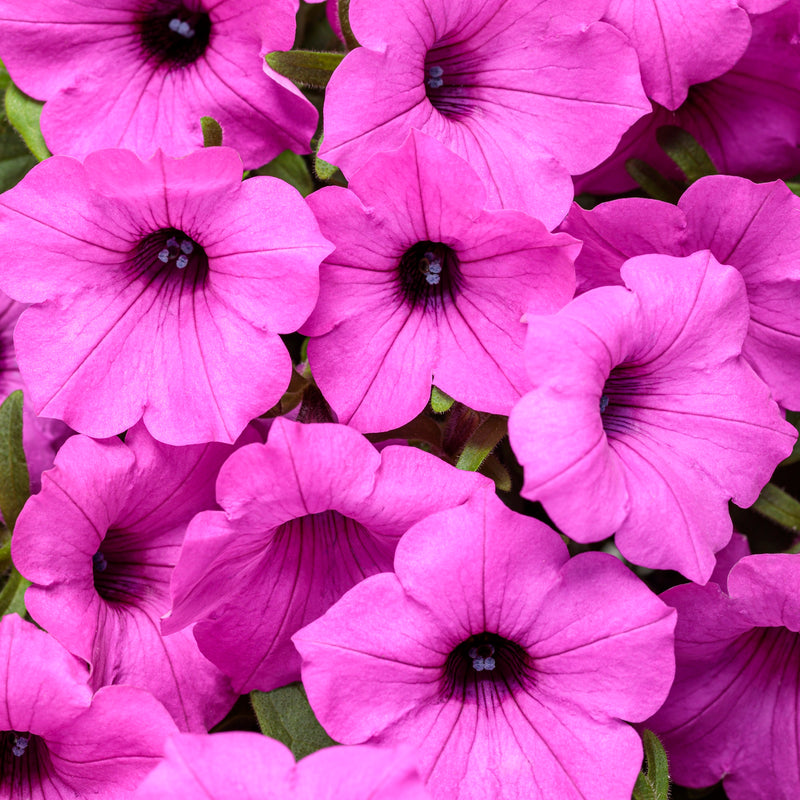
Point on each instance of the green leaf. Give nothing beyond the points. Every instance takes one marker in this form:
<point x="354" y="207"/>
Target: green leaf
<point x="686" y="152"/>
<point x="285" y="715"/>
<point x="309" y="68"/>
<point x="324" y="170"/>
<point x="480" y="445"/>
<point x="652" y="181"/>
<point x="778" y="507"/>
<point x="793" y="186"/>
<point x="212" y="132"/>
<point x="793" y="418"/>
<point x="344" y="22"/>
<point x="23" y="113"/>
<point x="653" y="783"/>
<point x="292" y="169"/>
<point x="441" y="403"/>
<point x="12" y="595"/>
<point x="14" y="477"/>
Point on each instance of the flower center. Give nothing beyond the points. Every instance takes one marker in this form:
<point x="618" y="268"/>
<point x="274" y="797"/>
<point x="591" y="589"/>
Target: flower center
<point x="123" y="573"/>
<point x="624" y="390"/>
<point x="448" y="77"/>
<point x="428" y="271"/>
<point x="173" y="35"/>
<point x="170" y="251"/>
<point x="484" y="668"/>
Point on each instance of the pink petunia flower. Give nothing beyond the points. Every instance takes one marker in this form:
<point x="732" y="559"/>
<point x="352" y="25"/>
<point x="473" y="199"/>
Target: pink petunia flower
<point x="140" y="74"/>
<point x="56" y="740"/>
<point x="753" y="227"/>
<point x="644" y="419"/>
<point x="99" y="543"/>
<point x="160" y="288"/>
<point x="426" y="286"/>
<point x="733" y="712"/>
<point x="305" y="517"/>
<point x="507" y="666"/>
<point x="526" y="92"/>
<point x="255" y="767"/>
<point x="748" y="119"/>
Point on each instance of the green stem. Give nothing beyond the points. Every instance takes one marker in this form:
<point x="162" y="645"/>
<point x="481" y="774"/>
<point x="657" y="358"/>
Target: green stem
<point x="344" y="22"/>
<point x="306" y="67"/>
<point x="486" y="437"/>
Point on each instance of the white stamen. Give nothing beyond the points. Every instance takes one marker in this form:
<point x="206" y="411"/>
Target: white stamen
<point x="187" y="246"/>
<point x="488" y="663"/>
<point x="603" y="403"/>
<point x="185" y="30"/>
<point x="435" y="267"/>
<point x="434" y="83"/>
<point x="163" y="256"/>
<point x="436" y="72"/>
<point x="432" y="279"/>
<point x="174" y="24"/>
<point x="172" y="242"/>
<point x="20" y="745"/>
<point x="182" y="261"/>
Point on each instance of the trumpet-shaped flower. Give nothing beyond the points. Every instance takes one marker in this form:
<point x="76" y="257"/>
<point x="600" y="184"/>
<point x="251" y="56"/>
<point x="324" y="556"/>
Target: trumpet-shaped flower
<point x="99" y="543"/>
<point x="426" y="286"/>
<point x="56" y="739"/>
<point x="644" y="419"/>
<point x="733" y="712"/>
<point x="305" y="517"/>
<point x="159" y="290"/>
<point x="504" y="664"/>
<point x="526" y="92"/>
<point x="140" y="74"/>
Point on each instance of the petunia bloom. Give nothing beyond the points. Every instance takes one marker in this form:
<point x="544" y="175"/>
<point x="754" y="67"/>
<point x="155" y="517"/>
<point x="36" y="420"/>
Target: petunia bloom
<point x="99" y="543"/>
<point x="733" y="713"/>
<point x="56" y="740"/>
<point x="504" y="664"/>
<point x="753" y="227"/>
<point x="644" y="419"/>
<point x="140" y="74"/>
<point x="427" y="286"/>
<point x="305" y="517"/>
<point x="747" y="119"/>
<point x="258" y="768"/>
<point x="159" y="290"/>
<point x="526" y="92"/>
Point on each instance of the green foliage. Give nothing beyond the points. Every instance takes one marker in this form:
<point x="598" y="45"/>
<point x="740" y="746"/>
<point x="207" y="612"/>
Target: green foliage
<point x="480" y="445"/>
<point x="653" y="783"/>
<point x="344" y="22"/>
<point x="212" y="132"/>
<point x="285" y="715"/>
<point x="23" y="113"/>
<point x="14" y="477"/>
<point x="305" y="67"/>
<point x="292" y="168"/>
<point x="778" y="507"/>
<point x="652" y="181"/>
<point x="441" y="403"/>
<point x="686" y="152"/>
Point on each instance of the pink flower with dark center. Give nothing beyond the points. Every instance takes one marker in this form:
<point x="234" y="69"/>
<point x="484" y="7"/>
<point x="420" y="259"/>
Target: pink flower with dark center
<point x="426" y="286"/>
<point x="733" y="712"/>
<point x="159" y="290"/>
<point x="644" y="419"/>
<point x="140" y="74"/>
<point x="305" y="517"/>
<point x="99" y="543"/>
<point x="517" y="89"/>
<point x="504" y="664"/>
<point x="748" y="119"/>
<point x="209" y="767"/>
<point x="56" y="740"/>
<point x="753" y="227"/>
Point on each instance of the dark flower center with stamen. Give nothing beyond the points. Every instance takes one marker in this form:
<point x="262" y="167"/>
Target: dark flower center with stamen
<point x="170" y="252"/>
<point x="486" y="667"/>
<point x="625" y="388"/>
<point x="172" y="35"/>
<point x="24" y="760"/>
<point x="428" y="272"/>
<point x="449" y="75"/>
<point x="122" y="572"/>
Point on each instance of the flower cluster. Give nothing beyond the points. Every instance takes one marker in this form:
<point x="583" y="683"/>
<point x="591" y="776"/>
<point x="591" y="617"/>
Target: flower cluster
<point x="337" y="395"/>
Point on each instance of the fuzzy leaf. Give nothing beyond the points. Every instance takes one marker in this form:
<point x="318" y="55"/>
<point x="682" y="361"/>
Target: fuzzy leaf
<point x="778" y="507"/>
<point x="212" y="132"/>
<point x="440" y="402"/>
<point x="653" y="784"/>
<point x="23" y="113"/>
<point x="652" y="181"/>
<point x="285" y="715"/>
<point x="14" y="476"/>
<point x="306" y="67"/>
<point x="686" y="152"/>
<point x="292" y="169"/>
